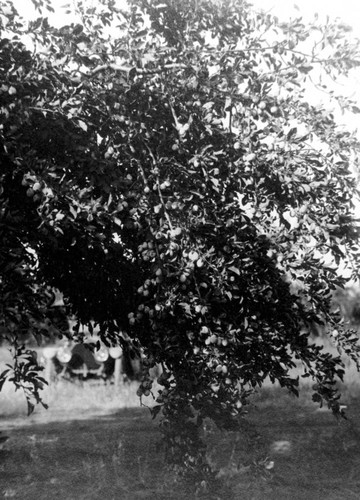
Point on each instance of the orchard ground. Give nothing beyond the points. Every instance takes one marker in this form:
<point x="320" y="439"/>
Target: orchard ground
<point x="94" y="443"/>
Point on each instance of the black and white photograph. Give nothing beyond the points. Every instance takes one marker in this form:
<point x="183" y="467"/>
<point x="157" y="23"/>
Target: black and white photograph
<point x="179" y="249"/>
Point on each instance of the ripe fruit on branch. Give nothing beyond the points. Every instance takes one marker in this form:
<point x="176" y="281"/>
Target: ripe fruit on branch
<point x="262" y="105"/>
<point x="193" y="256"/>
<point x="176" y="232"/>
<point x="250" y="157"/>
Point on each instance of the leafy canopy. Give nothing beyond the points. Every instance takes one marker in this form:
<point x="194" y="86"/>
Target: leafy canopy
<point x="163" y="168"/>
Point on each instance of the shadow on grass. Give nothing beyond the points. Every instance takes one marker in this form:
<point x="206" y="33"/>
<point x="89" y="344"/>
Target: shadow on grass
<point x="285" y="450"/>
<point x="106" y="457"/>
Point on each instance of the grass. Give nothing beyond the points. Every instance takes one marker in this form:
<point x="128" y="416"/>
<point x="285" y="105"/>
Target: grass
<point x="69" y="398"/>
<point x="83" y="459"/>
<point x="284" y="450"/>
<point x="96" y="442"/>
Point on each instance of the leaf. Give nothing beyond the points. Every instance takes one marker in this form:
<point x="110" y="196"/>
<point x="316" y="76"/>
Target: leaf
<point x="305" y="69"/>
<point x="292" y="132"/>
<point x="73" y="211"/>
<point x="83" y="125"/>
<point x="78" y="28"/>
<point x="317" y="398"/>
<point x="208" y="105"/>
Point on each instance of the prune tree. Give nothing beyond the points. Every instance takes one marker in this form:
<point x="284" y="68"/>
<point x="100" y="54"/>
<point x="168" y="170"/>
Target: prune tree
<point x="163" y="167"/>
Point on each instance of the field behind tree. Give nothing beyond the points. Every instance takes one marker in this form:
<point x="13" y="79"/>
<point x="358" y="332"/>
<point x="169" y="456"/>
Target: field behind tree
<point x="96" y="442"/>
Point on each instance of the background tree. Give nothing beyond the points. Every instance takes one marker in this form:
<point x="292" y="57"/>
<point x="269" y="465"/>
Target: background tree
<point x="163" y="168"/>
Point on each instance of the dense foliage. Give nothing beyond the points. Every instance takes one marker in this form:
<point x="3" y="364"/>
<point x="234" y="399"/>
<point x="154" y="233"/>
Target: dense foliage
<point x="163" y="168"/>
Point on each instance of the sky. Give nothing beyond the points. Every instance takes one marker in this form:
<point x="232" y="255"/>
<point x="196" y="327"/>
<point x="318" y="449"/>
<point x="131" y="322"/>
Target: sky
<point x="347" y="10"/>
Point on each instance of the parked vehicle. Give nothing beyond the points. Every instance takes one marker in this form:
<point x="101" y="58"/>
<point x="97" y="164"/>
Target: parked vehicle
<point x="82" y="361"/>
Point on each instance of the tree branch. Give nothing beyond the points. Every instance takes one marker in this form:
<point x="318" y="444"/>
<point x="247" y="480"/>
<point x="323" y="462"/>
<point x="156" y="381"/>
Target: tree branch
<point x="138" y="71"/>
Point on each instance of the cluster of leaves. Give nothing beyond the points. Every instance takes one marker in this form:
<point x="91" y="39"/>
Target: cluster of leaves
<point x="162" y="167"/>
<point x="24" y="373"/>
